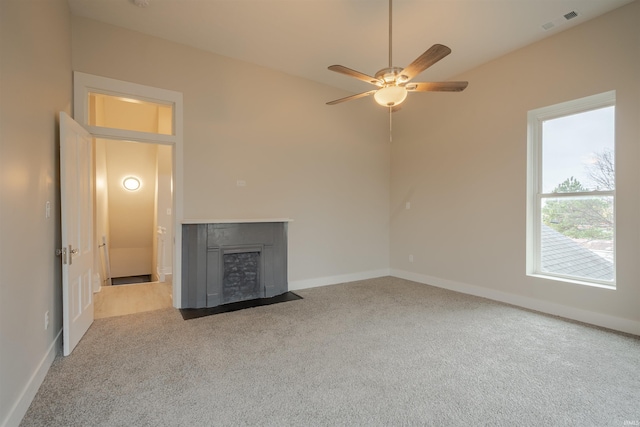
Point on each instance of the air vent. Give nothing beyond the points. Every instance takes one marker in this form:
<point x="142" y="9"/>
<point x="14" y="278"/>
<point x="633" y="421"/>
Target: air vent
<point x="560" y="20"/>
<point x="548" y="26"/>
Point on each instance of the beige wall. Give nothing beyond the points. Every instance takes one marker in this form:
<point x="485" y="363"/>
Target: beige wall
<point x="35" y="84"/>
<point x="461" y="159"/>
<point x="325" y="167"/>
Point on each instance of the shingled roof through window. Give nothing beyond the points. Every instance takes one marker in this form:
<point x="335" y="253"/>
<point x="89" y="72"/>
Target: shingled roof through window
<point x="562" y="255"/>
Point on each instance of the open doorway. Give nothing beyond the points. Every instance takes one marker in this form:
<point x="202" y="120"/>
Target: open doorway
<point x="133" y="217"/>
<point x="133" y="225"/>
<point x="137" y="144"/>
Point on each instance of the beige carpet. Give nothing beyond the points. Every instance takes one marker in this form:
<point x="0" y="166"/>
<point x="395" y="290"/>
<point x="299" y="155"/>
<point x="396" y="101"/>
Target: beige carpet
<point x="378" y="352"/>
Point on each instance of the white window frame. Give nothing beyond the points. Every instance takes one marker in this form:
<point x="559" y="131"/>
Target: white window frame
<point x="535" y="195"/>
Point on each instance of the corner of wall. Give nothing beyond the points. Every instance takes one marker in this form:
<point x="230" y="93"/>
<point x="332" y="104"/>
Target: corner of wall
<point x="295" y="285"/>
<point x="597" y="319"/>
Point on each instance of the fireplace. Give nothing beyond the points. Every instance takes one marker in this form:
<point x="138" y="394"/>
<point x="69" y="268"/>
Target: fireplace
<point x="224" y="262"/>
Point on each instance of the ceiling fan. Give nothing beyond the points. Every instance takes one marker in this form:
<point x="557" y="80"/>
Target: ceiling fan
<point x="394" y="82"/>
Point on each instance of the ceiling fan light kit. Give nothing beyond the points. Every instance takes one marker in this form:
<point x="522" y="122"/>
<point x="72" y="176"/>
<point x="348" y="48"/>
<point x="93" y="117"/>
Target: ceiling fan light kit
<point x="393" y="82"/>
<point x="390" y="96"/>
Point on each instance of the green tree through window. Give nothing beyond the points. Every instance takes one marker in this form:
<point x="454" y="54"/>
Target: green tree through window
<point x="579" y="218"/>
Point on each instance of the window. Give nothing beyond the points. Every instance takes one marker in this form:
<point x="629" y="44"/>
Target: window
<point x="571" y="191"/>
<point x="116" y="112"/>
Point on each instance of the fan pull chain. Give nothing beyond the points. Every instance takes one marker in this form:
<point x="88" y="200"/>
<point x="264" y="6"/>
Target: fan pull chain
<point x="390" y="125"/>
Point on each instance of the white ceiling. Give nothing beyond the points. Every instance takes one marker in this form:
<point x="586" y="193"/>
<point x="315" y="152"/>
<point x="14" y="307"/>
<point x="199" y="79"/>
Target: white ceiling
<point x="304" y="37"/>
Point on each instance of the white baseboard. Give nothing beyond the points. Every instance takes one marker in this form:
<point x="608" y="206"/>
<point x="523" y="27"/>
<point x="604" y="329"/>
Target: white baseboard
<point x="29" y="392"/>
<point x="597" y="319"/>
<point x="333" y="280"/>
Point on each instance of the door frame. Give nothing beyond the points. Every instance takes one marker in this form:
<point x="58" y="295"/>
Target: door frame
<point x="83" y="84"/>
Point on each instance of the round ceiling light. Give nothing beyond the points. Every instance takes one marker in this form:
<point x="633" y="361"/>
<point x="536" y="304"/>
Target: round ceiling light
<point x="390" y="96"/>
<point x="131" y="183"/>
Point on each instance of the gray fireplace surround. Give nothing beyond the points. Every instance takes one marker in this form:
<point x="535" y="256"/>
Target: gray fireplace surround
<point x="228" y="262"/>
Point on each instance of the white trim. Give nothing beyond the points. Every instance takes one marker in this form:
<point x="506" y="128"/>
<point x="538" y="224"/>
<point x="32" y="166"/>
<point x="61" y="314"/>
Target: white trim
<point x="105" y="85"/>
<point x="129" y="135"/>
<point x="577" y="194"/>
<point x="569" y="279"/>
<point x="334" y="280"/>
<point x="85" y="83"/>
<point x="593" y="318"/>
<point x="576" y="106"/>
<point x="535" y="119"/>
<point x="234" y="221"/>
<point x="19" y="409"/>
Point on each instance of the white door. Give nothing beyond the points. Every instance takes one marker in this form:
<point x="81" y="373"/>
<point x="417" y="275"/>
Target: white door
<point x="76" y="202"/>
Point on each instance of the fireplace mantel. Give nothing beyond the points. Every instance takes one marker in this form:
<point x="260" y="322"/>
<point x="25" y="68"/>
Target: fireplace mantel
<point x="234" y="221"/>
<point x="232" y="260"/>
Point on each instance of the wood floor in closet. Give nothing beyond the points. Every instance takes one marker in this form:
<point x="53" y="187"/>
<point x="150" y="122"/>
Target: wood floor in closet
<point x="129" y="299"/>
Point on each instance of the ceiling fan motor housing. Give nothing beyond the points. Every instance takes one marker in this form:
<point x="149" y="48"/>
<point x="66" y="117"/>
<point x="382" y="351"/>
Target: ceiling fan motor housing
<point x="391" y="76"/>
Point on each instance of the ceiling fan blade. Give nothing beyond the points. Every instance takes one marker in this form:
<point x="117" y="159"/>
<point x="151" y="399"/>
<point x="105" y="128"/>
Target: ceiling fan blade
<point x="349" y="98"/>
<point x="357" y="74"/>
<point x="437" y="87"/>
<point x="434" y="54"/>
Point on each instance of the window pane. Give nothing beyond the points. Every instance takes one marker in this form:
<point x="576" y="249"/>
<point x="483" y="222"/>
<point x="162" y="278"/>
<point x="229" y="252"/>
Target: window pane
<point x="130" y="114"/>
<point x="576" y="237"/>
<point x="577" y="152"/>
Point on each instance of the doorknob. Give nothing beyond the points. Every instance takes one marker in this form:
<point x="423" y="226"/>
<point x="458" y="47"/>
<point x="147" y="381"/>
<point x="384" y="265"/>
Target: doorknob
<point x="71" y="253"/>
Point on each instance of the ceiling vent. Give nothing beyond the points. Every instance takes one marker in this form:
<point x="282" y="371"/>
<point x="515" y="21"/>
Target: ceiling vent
<point x="559" y="21"/>
<point x="141" y="3"/>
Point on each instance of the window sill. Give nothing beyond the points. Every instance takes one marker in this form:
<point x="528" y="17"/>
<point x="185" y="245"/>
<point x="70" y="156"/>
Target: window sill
<point x="611" y="287"/>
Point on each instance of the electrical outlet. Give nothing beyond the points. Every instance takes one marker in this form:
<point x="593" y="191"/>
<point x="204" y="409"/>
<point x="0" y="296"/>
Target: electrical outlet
<point x="410" y="258"/>
<point x="46" y="320"/>
<point x="241" y="183"/>
<point x="47" y="210"/>
<point x="407" y="205"/>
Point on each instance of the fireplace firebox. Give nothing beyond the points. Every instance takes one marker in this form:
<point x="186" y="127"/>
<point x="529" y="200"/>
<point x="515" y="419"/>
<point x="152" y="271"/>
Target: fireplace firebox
<point x="241" y="275"/>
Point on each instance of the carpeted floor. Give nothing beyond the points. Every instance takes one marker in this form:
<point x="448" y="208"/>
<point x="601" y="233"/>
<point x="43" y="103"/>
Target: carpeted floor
<point x="378" y="352"/>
